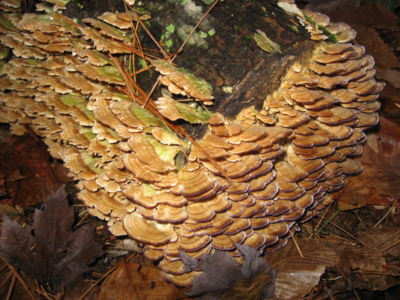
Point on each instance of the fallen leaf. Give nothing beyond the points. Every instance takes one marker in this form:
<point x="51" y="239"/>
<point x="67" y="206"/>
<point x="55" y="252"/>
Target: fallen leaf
<point x="296" y="275"/>
<point x="54" y="254"/>
<point x="225" y="278"/>
<point x="391" y="100"/>
<point x="368" y="14"/>
<point x="133" y="281"/>
<point x="329" y="7"/>
<point x="374" y="45"/>
<point x="29" y="177"/>
<point x="390" y="75"/>
<point x="378" y="184"/>
<point x="381" y="238"/>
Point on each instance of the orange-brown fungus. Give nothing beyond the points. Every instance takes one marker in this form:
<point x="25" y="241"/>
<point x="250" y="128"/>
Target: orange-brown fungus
<point x="284" y="162"/>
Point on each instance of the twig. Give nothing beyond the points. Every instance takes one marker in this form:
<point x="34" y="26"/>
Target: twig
<point x="131" y="86"/>
<point x="388" y="239"/>
<point x="97" y="282"/>
<point x="391" y="246"/>
<point x="194" y="29"/>
<point x="361" y="221"/>
<point x="11" y="288"/>
<point x="328" y="220"/>
<point x="166" y="56"/>
<point x="4" y="281"/>
<point x="180" y="49"/>
<point x="390" y="266"/>
<point x="355" y="293"/>
<point x="153" y="88"/>
<point x="297" y="245"/>
<point x="320" y="220"/>
<point x="348" y="233"/>
<point x="387" y="213"/>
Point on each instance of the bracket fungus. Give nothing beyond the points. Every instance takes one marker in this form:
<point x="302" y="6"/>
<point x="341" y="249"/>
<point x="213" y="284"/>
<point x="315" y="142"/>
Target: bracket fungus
<point x="282" y="162"/>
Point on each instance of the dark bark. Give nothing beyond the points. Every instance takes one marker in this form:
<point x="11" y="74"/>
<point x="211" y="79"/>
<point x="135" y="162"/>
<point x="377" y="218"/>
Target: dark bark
<point x="229" y="59"/>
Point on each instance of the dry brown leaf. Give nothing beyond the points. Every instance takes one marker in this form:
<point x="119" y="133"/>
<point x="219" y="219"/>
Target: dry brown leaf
<point x="378" y="184"/>
<point x="391" y="97"/>
<point x="51" y="251"/>
<point x="381" y="238"/>
<point x="29" y="176"/>
<point x="368" y="14"/>
<point x="133" y="281"/>
<point x="374" y="45"/>
<point x="390" y="75"/>
<point x="298" y="275"/>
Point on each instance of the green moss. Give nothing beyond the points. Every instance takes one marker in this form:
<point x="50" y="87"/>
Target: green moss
<point x="211" y="32"/>
<point x="169" y="43"/>
<point x="329" y="34"/>
<point x="166" y="36"/>
<point x="142" y="63"/>
<point x="203" y="35"/>
<point x="170" y="28"/>
<point x="294" y="28"/>
<point x="195" y="40"/>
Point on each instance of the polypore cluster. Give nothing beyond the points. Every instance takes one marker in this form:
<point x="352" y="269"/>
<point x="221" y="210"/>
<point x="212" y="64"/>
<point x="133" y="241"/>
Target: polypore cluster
<point x="249" y="180"/>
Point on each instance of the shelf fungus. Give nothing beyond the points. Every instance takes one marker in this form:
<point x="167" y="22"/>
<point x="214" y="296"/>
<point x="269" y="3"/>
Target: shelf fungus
<point x="248" y="180"/>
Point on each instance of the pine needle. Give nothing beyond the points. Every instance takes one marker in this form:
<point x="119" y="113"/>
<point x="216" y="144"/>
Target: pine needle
<point x="20" y="279"/>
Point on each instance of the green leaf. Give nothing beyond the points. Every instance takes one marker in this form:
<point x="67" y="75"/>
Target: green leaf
<point x="329" y="34"/>
<point x="211" y="32"/>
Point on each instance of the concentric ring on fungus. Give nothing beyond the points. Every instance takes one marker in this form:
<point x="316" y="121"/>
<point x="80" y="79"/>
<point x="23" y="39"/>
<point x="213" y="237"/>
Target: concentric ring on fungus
<point x="283" y="162"/>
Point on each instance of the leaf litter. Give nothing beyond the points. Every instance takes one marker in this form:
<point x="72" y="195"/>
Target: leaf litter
<point x="54" y="254"/>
